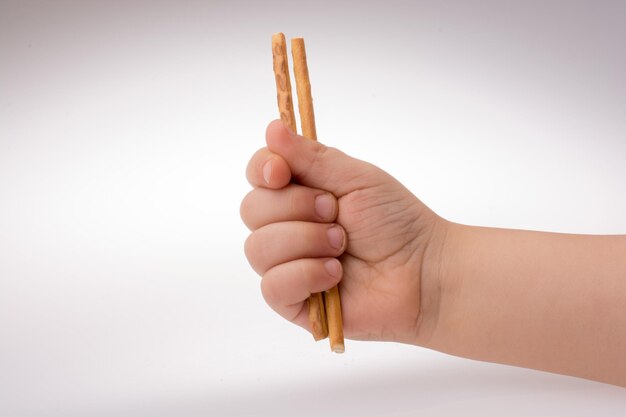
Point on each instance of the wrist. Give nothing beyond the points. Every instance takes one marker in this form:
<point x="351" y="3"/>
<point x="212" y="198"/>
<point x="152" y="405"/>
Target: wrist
<point x="437" y="286"/>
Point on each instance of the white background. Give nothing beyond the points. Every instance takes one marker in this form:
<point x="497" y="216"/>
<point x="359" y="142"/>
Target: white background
<point x="125" y="128"/>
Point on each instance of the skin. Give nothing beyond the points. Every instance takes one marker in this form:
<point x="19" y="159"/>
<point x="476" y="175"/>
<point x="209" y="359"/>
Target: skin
<point x="319" y="217"/>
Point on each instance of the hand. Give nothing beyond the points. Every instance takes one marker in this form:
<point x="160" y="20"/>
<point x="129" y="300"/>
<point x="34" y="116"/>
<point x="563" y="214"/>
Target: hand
<point x="311" y="204"/>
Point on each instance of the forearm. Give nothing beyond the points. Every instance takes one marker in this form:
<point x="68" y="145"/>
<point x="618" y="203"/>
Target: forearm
<point x="548" y="301"/>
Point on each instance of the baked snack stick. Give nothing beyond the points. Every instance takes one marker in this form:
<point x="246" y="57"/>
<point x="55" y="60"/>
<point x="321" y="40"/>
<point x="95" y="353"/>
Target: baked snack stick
<point x="283" y="82"/>
<point x="317" y="313"/>
<point x="332" y="301"/>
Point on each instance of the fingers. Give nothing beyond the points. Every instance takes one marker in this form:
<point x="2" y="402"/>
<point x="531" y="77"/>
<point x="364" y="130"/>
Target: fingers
<point x="287" y="286"/>
<point x="315" y="165"/>
<point x="278" y="243"/>
<point x="294" y="202"/>
<point x="266" y="169"/>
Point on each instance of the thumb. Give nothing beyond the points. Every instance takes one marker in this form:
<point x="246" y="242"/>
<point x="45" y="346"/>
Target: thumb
<point x="315" y="165"/>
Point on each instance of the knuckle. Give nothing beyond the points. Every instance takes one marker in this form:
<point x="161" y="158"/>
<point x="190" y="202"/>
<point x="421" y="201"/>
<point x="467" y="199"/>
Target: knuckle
<point x="246" y="247"/>
<point x="251" y="250"/>
<point x="318" y="156"/>
<point x="268" y="290"/>
<point x="304" y="271"/>
<point x="296" y="203"/>
<point x="246" y="210"/>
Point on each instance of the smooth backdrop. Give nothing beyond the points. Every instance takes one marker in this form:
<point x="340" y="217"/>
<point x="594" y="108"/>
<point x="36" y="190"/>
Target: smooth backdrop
<point x="125" y="128"/>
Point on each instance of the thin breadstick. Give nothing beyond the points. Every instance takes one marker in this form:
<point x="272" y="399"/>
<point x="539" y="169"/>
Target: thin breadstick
<point x="283" y="83"/>
<point x="307" y="120"/>
<point x="303" y="87"/>
<point x="317" y="313"/>
<point x="317" y="317"/>
<point x="335" y="322"/>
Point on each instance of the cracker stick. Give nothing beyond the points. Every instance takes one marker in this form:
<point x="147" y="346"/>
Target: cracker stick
<point x="335" y="322"/>
<point x="307" y="120"/>
<point x="283" y="83"/>
<point x="317" y="313"/>
<point x="303" y="87"/>
<point x="317" y="317"/>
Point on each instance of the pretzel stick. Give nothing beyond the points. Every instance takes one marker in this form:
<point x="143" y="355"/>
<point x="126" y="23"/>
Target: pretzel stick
<point x="317" y="313"/>
<point x="283" y="84"/>
<point x="303" y="87"/>
<point x="335" y="322"/>
<point x="307" y="120"/>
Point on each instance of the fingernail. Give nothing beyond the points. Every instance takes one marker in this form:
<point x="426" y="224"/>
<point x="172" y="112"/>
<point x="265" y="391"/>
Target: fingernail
<point x="333" y="267"/>
<point x="267" y="172"/>
<point x="324" y="206"/>
<point x="335" y="237"/>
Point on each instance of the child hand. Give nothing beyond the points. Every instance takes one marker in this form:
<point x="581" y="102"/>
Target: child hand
<point x="539" y="300"/>
<point x="311" y="204"/>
